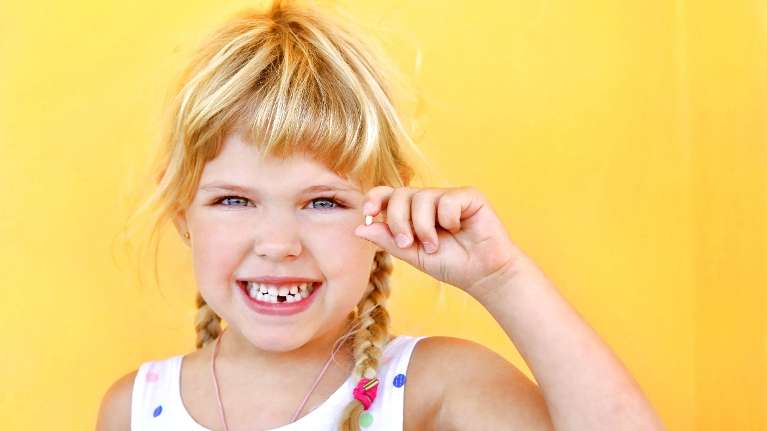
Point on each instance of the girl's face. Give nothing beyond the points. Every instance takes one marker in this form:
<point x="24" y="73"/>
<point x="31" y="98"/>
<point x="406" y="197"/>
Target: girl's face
<point x="252" y="218"/>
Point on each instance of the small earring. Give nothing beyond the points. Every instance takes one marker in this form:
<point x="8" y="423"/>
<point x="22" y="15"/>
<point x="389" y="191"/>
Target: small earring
<point x="186" y="235"/>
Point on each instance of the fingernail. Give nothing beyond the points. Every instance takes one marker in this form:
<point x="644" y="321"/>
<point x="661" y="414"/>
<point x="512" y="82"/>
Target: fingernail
<point x="429" y="247"/>
<point x="402" y="240"/>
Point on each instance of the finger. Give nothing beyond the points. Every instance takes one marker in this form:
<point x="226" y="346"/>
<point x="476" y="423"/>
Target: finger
<point x="380" y="235"/>
<point x="376" y="200"/>
<point x="423" y="214"/>
<point x="398" y="216"/>
<point x="455" y="205"/>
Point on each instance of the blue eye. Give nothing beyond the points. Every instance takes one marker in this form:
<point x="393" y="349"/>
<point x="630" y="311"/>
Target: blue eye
<point x="328" y="199"/>
<point x="230" y="197"/>
<point x="336" y="204"/>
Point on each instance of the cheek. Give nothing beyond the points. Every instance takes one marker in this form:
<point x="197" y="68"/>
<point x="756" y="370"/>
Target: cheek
<point x="339" y="245"/>
<point x="345" y="259"/>
<point x="214" y="251"/>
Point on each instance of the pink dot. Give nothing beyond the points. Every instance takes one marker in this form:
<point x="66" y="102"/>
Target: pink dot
<point x="152" y="376"/>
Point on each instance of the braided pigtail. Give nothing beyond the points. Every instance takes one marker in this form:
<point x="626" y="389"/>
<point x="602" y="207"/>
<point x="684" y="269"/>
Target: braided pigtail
<point x="370" y="338"/>
<point x="207" y="324"/>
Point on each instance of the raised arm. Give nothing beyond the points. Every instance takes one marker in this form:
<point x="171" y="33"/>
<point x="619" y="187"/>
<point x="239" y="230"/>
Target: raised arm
<point x="461" y="241"/>
<point x="586" y="387"/>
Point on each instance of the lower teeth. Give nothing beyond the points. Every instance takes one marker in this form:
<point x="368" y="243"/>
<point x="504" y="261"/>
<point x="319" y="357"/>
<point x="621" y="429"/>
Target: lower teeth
<point x="273" y="299"/>
<point x="276" y="299"/>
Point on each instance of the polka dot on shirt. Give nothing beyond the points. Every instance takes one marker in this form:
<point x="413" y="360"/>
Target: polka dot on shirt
<point x="152" y="376"/>
<point x="399" y="380"/>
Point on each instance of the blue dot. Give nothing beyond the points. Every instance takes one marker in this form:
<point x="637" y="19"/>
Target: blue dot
<point x="157" y="411"/>
<point x="399" y="381"/>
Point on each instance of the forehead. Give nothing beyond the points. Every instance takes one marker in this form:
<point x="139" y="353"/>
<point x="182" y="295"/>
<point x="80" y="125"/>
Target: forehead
<point x="241" y="163"/>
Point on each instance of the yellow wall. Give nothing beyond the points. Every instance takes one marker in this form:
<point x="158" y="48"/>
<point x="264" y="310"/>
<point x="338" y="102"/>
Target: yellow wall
<point x="623" y="144"/>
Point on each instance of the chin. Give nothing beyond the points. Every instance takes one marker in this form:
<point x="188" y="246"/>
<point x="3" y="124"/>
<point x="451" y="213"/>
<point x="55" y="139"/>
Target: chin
<point x="280" y="339"/>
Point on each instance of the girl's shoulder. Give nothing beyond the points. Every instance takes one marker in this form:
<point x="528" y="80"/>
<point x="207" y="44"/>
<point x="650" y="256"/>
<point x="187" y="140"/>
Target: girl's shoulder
<point x="460" y="384"/>
<point x="115" y="410"/>
<point x="424" y="393"/>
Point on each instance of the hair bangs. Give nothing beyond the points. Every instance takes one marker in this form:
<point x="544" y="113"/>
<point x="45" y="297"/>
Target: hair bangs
<point x="301" y="106"/>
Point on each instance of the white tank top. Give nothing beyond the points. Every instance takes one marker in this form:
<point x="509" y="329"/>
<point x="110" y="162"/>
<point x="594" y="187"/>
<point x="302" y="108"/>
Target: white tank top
<point x="156" y="400"/>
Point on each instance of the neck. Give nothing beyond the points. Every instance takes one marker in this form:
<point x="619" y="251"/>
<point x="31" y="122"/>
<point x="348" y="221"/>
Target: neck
<point x="236" y="351"/>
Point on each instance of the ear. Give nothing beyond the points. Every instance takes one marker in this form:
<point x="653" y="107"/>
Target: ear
<point x="179" y="220"/>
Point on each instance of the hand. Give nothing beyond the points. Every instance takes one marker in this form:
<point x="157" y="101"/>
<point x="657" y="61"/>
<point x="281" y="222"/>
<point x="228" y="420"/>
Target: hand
<point x="451" y="234"/>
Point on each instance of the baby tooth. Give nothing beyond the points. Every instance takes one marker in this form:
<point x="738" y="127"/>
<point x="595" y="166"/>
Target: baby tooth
<point x="294" y="289"/>
<point x="283" y="291"/>
<point x="273" y="291"/>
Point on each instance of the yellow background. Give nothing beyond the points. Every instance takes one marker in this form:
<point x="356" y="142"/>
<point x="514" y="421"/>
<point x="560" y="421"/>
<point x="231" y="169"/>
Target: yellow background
<point x="622" y="143"/>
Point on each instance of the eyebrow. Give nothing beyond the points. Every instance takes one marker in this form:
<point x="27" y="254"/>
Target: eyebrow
<point x="247" y="190"/>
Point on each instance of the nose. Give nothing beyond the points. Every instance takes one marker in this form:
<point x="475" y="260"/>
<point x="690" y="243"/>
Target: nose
<point x="278" y="237"/>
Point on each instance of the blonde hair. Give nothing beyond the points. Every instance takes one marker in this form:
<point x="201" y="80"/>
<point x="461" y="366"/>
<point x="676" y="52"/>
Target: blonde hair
<point x="293" y="80"/>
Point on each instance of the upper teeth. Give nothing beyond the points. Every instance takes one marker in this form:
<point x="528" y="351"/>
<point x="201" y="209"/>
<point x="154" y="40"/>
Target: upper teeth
<point x="269" y="293"/>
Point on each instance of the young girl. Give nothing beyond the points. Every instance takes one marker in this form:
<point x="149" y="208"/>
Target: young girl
<point x="284" y="173"/>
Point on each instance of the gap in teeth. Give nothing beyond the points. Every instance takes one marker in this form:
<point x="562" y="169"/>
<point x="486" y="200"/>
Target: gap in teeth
<point x="275" y="294"/>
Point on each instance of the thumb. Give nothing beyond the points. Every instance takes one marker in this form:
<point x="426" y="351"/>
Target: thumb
<point x="377" y="233"/>
<point x="380" y="235"/>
